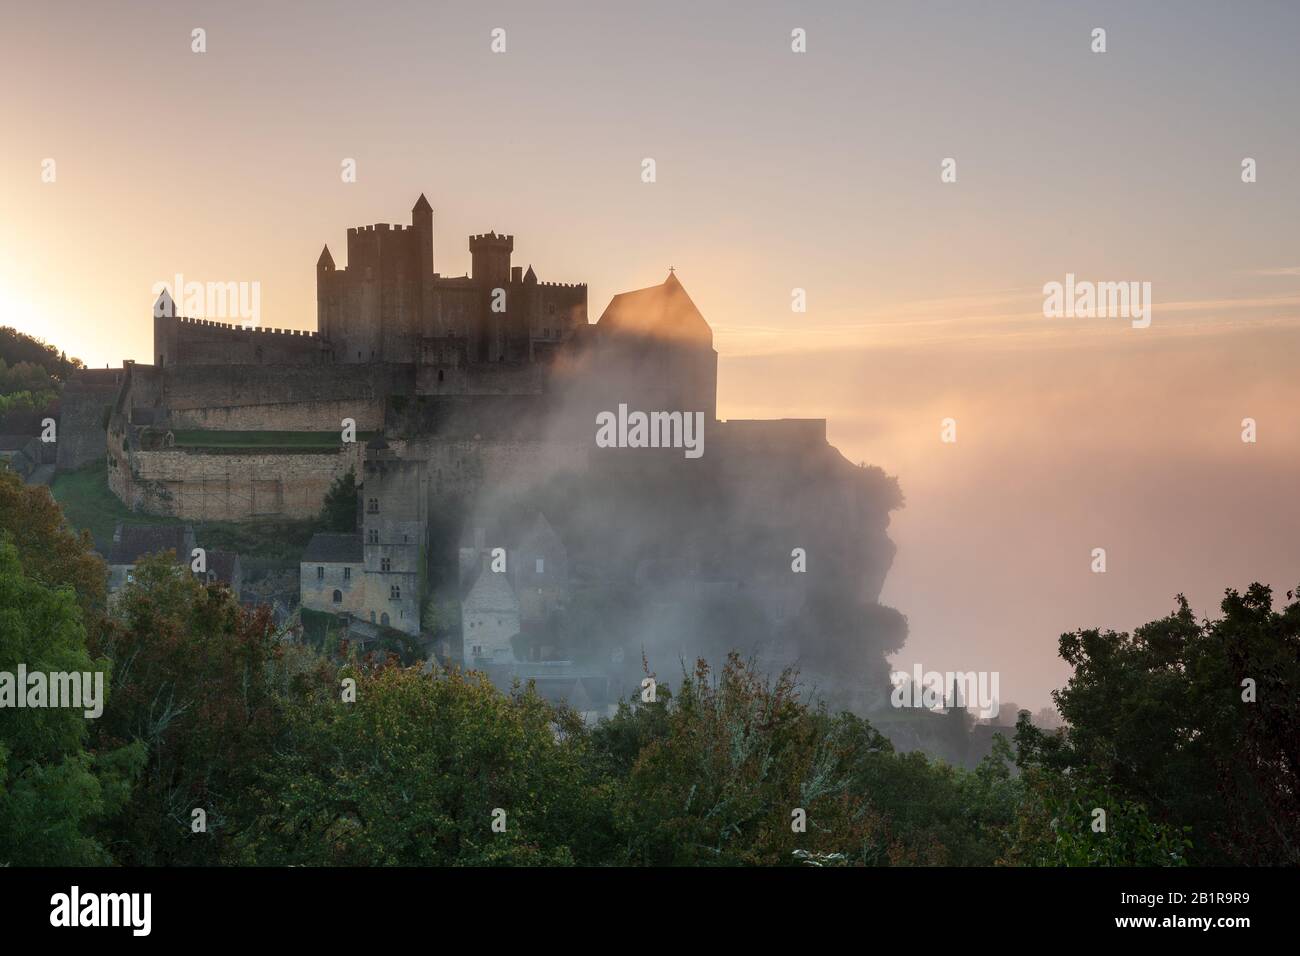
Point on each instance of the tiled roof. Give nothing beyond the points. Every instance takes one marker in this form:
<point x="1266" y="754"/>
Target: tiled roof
<point x="133" y="542"/>
<point x="332" y="548"/>
<point x="222" y="564"/>
<point x="660" y="312"/>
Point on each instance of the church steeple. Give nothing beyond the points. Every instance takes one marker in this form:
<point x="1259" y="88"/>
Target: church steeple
<point x="326" y="261"/>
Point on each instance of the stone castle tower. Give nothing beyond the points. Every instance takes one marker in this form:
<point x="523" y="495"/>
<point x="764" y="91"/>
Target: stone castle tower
<point x="389" y="305"/>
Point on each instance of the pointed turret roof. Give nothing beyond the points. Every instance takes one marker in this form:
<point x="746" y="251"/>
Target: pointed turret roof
<point x="540" y="536"/>
<point x="662" y="311"/>
<point x="165" y="305"/>
<point x="325" y="258"/>
<point x="530" y="275"/>
<point x="422" y="205"/>
<point x="490" y="591"/>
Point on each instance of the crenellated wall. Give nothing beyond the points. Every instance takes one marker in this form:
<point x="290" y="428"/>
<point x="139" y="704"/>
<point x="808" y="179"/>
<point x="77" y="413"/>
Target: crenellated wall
<point x="184" y="341"/>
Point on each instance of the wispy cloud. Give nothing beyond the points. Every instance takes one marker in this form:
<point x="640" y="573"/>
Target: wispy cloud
<point x="1006" y="318"/>
<point x="1280" y="271"/>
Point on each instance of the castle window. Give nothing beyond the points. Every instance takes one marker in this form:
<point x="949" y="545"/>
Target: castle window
<point x="338" y="596"/>
<point x="439" y="375"/>
<point x="347" y="574"/>
<point x="372" y="506"/>
<point x="372" y="536"/>
<point x="551" y="309"/>
<point x="383" y="619"/>
<point x="541" y="565"/>
<point x="320" y="574"/>
<point x="385" y="564"/>
<point x="395" y="592"/>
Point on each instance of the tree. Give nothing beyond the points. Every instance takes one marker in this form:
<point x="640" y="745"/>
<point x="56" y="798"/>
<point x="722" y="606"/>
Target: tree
<point x="48" y="550"/>
<point x="19" y="347"/>
<point x="714" y="773"/>
<point x="52" y="788"/>
<point x="203" y="683"/>
<point x="417" y="769"/>
<point x="339" y="511"/>
<point x="734" y="769"/>
<point x="1197" y="723"/>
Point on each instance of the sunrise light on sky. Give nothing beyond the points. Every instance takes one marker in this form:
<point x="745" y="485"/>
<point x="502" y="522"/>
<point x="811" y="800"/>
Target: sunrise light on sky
<point x="924" y="298"/>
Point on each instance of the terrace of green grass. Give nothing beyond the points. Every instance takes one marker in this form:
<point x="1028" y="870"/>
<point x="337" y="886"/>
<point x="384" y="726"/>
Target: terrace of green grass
<point x="197" y="438"/>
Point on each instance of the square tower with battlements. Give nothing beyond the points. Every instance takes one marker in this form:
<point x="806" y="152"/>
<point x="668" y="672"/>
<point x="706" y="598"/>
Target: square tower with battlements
<point x="389" y="305"/>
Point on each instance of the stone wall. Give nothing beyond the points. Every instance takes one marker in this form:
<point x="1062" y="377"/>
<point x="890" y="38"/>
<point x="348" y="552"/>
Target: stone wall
<point x="83" y="409"/>
<point x="207" y="387"/>
<point x="462" y="469"/>
<point x="298" y="416"/>
<point x="318" y="592"/>
<point x="239" y="486"/>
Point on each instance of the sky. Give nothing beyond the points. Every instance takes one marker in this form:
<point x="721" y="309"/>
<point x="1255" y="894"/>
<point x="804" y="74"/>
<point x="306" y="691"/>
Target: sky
<point x="775" y="171"/>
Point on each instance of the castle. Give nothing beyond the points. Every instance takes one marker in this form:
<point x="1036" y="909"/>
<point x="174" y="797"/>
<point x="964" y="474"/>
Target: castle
<point x="467" y="396"/>
<point x="390" y="306"/>
<point x="481" y="363"/>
